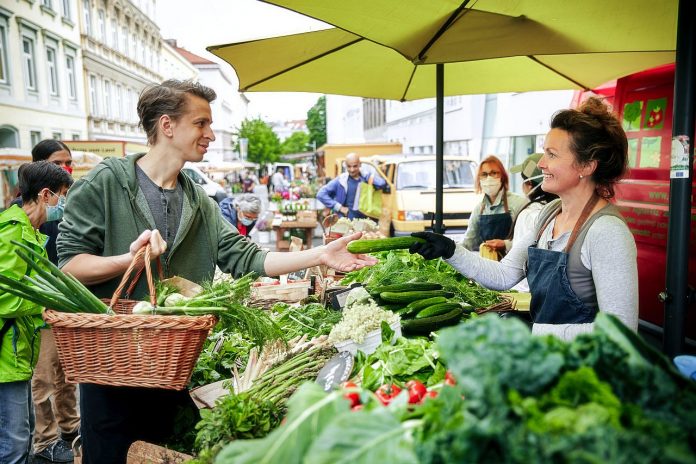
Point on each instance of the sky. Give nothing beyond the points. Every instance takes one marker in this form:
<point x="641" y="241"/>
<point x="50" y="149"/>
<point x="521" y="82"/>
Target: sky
<point x="215" y="22"/>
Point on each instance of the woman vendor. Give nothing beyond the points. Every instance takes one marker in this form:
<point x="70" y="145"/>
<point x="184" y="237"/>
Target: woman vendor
<point x="493" y="217"/>
<point x="581" y="256"/>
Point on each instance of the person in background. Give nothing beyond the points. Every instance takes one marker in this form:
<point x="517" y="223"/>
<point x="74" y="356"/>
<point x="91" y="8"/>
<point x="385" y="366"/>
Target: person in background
<point x="242" y="212"/>
<point x="121" y="206"/>
<point x="581" y="256"/>
<point x="342" y="194"/>
<point x="42" y="186"/>
<point x="526" y="218"/>
<point x="278" y="181"/>
<point x="55" y="400"/>
<point x="494" y="216"/>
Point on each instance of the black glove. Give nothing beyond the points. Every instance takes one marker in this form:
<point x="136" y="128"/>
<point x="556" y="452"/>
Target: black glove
<point x="435" y="246"/>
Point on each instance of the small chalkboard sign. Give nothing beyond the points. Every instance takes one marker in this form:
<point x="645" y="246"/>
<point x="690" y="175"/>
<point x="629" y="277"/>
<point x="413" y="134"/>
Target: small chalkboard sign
<point x="336" y="371"/>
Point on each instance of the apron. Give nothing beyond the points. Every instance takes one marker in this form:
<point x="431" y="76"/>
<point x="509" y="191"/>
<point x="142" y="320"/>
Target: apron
<point x="493" y="226"/>
<point x="553" y="299"/>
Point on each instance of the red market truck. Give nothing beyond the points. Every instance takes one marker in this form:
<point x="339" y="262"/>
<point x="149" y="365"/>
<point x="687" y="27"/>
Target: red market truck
<point x="644" y="102"/>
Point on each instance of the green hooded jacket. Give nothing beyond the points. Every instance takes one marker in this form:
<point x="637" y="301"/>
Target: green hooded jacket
<point x="19" y="346"/>
<point x="106" y="211"/>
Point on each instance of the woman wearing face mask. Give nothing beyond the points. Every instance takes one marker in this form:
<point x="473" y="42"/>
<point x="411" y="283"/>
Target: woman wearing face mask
<point x="580" y="258"/>
<point x="242" y="212"/>
<point x="43" y="186"/>
<point x="494" y="216"/>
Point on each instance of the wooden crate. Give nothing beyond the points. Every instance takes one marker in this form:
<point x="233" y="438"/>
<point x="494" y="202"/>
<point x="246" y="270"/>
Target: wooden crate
<point x="142" y="452"/>
<point x="293" y="291"/>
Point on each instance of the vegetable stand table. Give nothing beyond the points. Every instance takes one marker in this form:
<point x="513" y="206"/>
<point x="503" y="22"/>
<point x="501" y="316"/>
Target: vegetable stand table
<point x="283" y="230"/>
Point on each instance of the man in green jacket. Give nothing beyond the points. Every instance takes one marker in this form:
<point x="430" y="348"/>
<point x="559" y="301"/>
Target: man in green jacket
<point x="43" y="186"/>
<point x="126" y="203"/>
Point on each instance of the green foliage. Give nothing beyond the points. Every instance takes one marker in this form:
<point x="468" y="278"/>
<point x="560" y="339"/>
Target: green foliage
<point x="316" y="122"/>
<point x="264" y="145"/>
<point x="313" y="319"/>
<point x="400" y="266"/>
<point x="234" y="417"/>
<point x="298" y="142"/>
<point x="407" y="359"/>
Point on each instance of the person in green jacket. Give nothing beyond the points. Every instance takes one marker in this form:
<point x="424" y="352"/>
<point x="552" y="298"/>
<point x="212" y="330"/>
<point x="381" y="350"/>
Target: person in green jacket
<point x="43" y="186"/>
<point x="126" y="203"/>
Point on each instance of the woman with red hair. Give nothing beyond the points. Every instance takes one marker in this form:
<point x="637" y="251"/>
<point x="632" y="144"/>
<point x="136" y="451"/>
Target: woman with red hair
<point x="494" y="216"/>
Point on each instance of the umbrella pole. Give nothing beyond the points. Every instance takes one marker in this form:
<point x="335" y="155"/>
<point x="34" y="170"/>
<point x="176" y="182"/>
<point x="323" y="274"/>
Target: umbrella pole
<point x="439" y="144"/>
<point x="677" y="295"/>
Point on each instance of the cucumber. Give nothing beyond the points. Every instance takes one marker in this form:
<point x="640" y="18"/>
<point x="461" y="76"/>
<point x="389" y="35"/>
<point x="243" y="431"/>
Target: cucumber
<point x="409" y="286"/>
<point x="438" y="309"/>
<point x="382" y="244"/>
<point x="418" y="305"/>
<point x="429" y="324"/>
<point x="408" y="297"/>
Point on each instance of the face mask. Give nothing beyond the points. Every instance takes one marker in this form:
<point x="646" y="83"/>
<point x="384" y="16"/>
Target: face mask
<point x="55" y="213"/>
<point x="531" y="192"/>
<point x="68" y="169"/>
<point x="491" y="186"/>
<point x="245" y="220"/>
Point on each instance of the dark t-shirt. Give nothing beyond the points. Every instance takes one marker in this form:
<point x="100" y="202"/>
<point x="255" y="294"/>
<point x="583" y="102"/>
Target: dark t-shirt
<point x="165" y="206"/>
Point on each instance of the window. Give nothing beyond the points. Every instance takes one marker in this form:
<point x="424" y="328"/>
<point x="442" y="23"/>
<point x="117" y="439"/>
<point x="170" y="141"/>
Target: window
<point x="114" y="34"/>
<point x="4" y="72"/>
<point x="34" y="137"/>
<point x="107" y="99"/>
<point x="8" y="137"/>
<point x="70" y="76"/>
<point x="47" y="3"/>
<point x="57" y="136"/>
<point x="93" y="107"/>
<point x="29" y="63"/>
<point x="87" y="16"/>
<point x="67" y="14"/>
<point x="101" y="25"/>
<point x="124" y="40"/>
<point x="118" y="111"/>
<point x="52" y="68"/>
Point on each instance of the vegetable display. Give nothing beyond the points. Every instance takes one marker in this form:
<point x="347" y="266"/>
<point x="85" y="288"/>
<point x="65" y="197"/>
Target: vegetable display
<point x="606" y="397"/>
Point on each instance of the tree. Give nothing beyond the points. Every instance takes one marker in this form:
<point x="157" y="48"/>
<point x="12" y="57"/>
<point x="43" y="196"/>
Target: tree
<point x="298" y="142"/>
<point x="264" y="145"/>
<point x="316" y="122"/>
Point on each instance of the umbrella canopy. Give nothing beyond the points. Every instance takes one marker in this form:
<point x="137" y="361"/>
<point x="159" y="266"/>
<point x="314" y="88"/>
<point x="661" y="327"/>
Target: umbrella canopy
<point x="334" y="61"/>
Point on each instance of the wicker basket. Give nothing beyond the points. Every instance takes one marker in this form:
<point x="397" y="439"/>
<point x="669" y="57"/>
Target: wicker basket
<point x="126" y="349"/>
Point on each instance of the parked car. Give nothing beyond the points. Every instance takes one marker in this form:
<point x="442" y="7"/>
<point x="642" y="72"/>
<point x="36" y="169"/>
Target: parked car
<point x="212" y="188"/>
<point x="411" y="194"/>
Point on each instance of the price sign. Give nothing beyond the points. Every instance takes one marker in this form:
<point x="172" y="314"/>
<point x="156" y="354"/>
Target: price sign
<point x="336" y="371"/>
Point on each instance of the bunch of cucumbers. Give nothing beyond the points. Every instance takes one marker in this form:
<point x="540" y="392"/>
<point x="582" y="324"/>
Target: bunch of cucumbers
<point x="423" y="306"/>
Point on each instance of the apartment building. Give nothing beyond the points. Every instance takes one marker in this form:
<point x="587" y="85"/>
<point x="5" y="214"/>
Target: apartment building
<point x="41" y="80"/>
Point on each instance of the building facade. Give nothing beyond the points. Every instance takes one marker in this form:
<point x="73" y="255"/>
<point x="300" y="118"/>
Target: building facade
<point x="121" y="47"/>
<point x="41" y="79"/>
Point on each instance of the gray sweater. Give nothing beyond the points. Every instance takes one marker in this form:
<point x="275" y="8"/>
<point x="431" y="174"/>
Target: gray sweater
<point x="609" y="251"/>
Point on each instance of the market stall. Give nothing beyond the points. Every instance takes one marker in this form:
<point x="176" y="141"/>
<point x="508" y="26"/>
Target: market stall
<point x="403" y="361"/>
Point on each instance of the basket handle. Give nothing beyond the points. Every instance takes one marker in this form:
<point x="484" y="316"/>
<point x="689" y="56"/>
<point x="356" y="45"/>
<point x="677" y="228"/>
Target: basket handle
<point x="142" y="254"/>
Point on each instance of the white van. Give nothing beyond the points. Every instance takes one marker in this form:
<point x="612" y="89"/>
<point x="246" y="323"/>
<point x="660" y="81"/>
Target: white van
<point x="212" y="188"/>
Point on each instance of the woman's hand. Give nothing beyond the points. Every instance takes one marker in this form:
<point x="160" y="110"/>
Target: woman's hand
<point x="336" y="255"/>
<point x="154" y="238"/>
<point x="495" y="244"/>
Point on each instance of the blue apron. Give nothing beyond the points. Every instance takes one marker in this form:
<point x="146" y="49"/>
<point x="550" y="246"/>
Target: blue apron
<point x="492" y="226"/>
<point x="553" y="299"/>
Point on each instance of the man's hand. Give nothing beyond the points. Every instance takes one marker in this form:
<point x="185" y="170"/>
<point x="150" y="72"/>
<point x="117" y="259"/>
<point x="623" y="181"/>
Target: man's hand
<point x="153" y="237"/>
<point x="435" y="246"/>
<point x="336" y="255"/>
